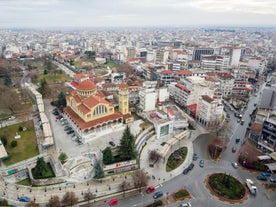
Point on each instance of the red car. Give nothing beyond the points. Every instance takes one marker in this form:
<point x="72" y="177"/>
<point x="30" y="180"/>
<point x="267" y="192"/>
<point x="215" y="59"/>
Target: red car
<point x="150" y="189"/>
<point x="234" y="149"/>
<point x="114" y="201"/>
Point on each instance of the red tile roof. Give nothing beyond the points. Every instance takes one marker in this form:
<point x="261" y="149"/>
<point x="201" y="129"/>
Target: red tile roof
<point x="93" y="101"/>
<point x="166" y="72"/>
<point x="91" y="124"/>
<point x="183" y="72"/>
<point x="192" y="108"/>
<point x="86" y="85"/>
<point x="83" y="109"/>
<point x="183" y="88"/>
<point x="225" y="75"/>
<point x="207" y="98"/>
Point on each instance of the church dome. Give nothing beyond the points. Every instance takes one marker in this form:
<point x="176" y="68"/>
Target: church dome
<point x="86" y="85"/>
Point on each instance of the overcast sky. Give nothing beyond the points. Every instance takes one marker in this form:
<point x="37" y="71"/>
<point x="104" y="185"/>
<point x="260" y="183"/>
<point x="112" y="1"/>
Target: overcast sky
<point x="102" y="13"/>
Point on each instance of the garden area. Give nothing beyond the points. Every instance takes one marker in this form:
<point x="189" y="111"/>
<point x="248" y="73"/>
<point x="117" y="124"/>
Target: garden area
<point x="42" y="170"/>
<point x="181" y="195"/>
<point x="176" y="159"/>
<point x="226" y="186"/>
<point x="22" y="148"/>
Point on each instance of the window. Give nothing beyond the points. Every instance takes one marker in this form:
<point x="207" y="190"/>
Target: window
<point x="100" y="110"/>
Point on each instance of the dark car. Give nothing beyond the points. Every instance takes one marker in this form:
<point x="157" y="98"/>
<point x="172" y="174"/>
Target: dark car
<point x="70" y="132"/>
<point x="185" y="172"/>
<point x="67" y="128"/>
<point x="191" y="166"/>
<point x="261" y="177"/>
<point x="201" y="163"/>
<point x="267" y="174"/>
<point x="195" y="157"/>
<point x="112" y="143"/>
<point x="158" y="194"/>
<point x="24" y="199"/>
<point x="272" y="179"/>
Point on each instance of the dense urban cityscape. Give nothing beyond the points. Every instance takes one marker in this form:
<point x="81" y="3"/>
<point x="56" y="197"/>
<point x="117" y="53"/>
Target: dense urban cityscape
<point x="131" y="115"/>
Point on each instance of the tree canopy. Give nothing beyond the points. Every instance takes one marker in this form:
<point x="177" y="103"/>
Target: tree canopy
<point x="69" y="199"/>
<point x="40" y="169"/>
<point x="107" y="156"/>
<point x="99" y="173"/>
<point x="127" y="146"/>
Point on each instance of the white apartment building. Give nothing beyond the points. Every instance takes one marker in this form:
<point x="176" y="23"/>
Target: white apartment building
<point x="226" y="83"/>
<point x="209" y="111"/>
<point x="148" y="96"/>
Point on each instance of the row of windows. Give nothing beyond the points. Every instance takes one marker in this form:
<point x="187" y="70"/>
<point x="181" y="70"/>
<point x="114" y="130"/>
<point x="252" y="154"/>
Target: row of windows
<point x="100" y="110"/>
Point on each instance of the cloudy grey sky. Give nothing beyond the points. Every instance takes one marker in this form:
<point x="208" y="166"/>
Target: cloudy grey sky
<point x="102" y="13"/>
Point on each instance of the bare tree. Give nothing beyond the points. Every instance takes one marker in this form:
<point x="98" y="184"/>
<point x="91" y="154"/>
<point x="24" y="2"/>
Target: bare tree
<point x="9" y="99"/>
<point x="69" y="199"/>
<point x="32" y="204"/>
<point x="154" y="157"/>
<point x="88" y="196"/>
<point x="54" y="202"/>
<point x="140" y="178"/>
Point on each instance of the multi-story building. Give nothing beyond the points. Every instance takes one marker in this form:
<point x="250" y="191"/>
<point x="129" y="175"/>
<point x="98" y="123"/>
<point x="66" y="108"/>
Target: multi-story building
<point x="166" y="77"/>
<point x="209" y="111"/>
<point x="198" y="52"/>
<point x="214" y="62"/>
<point x="234" y="54"/>
<point x="226" y="83"/>
<point x="240" y="88"/>
<point x="148" y="96"/>
<point x="268" y="137"/>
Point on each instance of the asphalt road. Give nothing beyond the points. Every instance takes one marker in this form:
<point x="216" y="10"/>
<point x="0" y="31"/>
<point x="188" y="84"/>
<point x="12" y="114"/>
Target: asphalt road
<point x="194" y="181"/>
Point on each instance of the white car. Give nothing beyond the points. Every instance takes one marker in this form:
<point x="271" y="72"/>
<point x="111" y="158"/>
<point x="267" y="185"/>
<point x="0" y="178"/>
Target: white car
<point x="188" y="204"/>
<point x="235" y="165"/>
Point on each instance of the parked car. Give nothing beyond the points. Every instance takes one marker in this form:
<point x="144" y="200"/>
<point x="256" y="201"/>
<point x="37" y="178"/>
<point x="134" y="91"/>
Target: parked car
<point x="191" y="166"/>
<point x="79" y="142"/>
<point x="67" y="128"/>
<point x="70" y="132"/>
<point x="235" y="165"/>
<point x="238" y="139"/>
<point x="242" y="122"/>
<point x="112" y="143"/>
<point x="150" y="189"/>
<point x="261" y="177"/>
<point x="234" y="149"/>
<point x="185" y="171"/>
<point x="267" y="174"/>
<point x="158" y="194"/>
<point x="201" y="163"/>
<point x="24" y="199"/>
<point x="272" y="179"/>
<point x="188" y="204"/>
<point x="195" y="157"/>
<point x="75" y="138"/>
<point x="113" y="201"/>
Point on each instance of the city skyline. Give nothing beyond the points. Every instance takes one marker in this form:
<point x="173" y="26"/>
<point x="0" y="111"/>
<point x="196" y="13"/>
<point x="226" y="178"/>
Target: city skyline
<point x="126" y="13"/>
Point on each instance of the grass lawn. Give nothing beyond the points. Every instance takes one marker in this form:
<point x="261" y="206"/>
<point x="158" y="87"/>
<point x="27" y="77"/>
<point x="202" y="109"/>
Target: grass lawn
<point x="24" y="182"/>
<point x="226" y="186"/>
<point x="26" y="145"/>
<point x="181" y="193"/>
<point x="172" y="162"/>
<point x="52" y="78"/>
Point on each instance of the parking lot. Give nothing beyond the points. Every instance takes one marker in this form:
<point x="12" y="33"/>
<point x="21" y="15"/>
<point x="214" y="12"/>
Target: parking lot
<point x="92" y="143"/>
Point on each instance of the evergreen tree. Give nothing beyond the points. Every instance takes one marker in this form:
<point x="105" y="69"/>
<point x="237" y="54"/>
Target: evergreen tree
<point x="99" y="173"/>
<point x="42" y="87"/>
<point x="41" y="167"/>
<point x="4" y="140"/>
<point x="127" y="146"/>
<point x="107" y="156"/>
<point x="61" y="102"/>
<point x="7" y="80"/>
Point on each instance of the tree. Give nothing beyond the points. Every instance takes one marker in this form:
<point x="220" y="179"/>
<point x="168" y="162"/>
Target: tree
<point x="99" y="173"/>
<point x="62" y="157"/>
<point x="127" y="146"/>
<point x="140" y="178"/>
<point x="61" y="101"/>
<point x="13" y="143"/>
<point x="154" y="156"/>
<point x="9" y="99"/>
<point x="90" y="54"/>
<point x="69" y="199"/>
<point x="32" y="204"/>
<point x="7" y="80"/>
<point x="54" y="202"/>
<point x="42" y="88"/>
<point x="4" y="140"/>
<point x="41" y="167"/>
<point x="88" y="196"/>
<point x="107" y="156"/>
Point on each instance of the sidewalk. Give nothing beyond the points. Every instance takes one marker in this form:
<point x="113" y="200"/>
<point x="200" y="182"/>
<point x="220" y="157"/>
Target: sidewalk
<point x="159" y="170"/>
